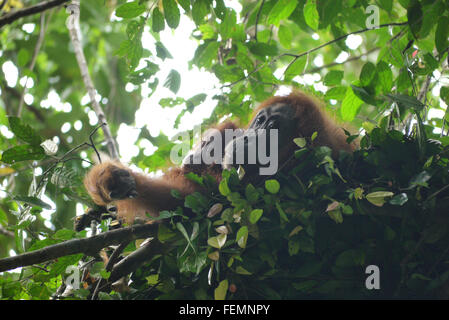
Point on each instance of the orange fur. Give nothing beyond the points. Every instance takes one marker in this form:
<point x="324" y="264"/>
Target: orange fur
<point x="154" y="194"/>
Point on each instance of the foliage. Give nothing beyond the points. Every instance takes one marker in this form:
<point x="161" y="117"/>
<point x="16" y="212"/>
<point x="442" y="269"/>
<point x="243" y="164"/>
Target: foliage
<point x="308" y="232"/>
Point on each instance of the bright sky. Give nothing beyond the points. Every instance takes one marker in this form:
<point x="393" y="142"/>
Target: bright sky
<point x="194" y="81"/>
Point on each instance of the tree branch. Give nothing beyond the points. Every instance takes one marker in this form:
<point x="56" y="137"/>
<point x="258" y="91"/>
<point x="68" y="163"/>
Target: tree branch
<point x="137" y="258"/>
<point x="333" y="64"/>
<point x="6" y="233"/>
<point x="297" y="56"/>
<point x="40" y="7"/>
<point x="74" y="30"/>
<point x="114" y="256"/>
<point x="88" y="246"/>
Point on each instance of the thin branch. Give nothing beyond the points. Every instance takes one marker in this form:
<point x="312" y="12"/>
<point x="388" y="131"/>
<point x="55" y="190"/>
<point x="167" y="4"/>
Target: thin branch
<point x="333" y="64"/>
<point x="6" y="233"/>
<point x="137" y="258"/>
<point x="297" y="56"/>
<point x="92" y="144"/>
<point x="64" y="157"/>
<point x="37" y="48"/>
<point x="114" y="256"/>
<point x="16" y="94"/>
<point x="74" y="30"/>
<point x="3" y="4"/>
<point x="40" y="7"/>
<point x="88" y="246"/>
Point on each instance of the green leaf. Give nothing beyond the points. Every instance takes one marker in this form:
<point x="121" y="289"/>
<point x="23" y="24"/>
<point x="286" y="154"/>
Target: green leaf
<point x="255" y="215"/>
<point x="23" y="131"/>
<point x="218" y="241"/>
<point x="311" y="15"/>
<point x="444" y="94"/>
<point x="64" y="234"/>
<point x="414" y="18"/>
<point x="32" y="201"/>
<point x="272" y="186"/>
<point x="62" y="263"/>
<point x="281" y="10"/>
<point x="3" y="218"/>
<point x="157" y="21"/>
<point x="350" y="105"/>
<point x="199" y="10"/>
<point x="134" y="54"/>
<point x="243" y="271"/>
<point x="337" y="93"/>
<point x="205" y="54"/>
<point x="130" y="10"/>
<point x="173" y="81"/>
<point x="399" y="199"/>
<point x="281" y="211"/>
<point x="387" y="5"/>
<point x="333" y="78"/>
<point x="378" y="197"/>
<point x="220" y="9"/>
<point x="242" y="237"/>
<point x="227" y="215"/>
<point x="347" y="209"/>
<point x="263" y="49"/>
<point x="207" y="31"/>
<point x="300" y="142"/>
<point x="351" y="257"/>
<point x="196" y="201"/>
<point x="22" y="153"/>
<point x="385" y="76"/>
<point x="195" y="101"/>
<point x="164" y="233"/>
<point x="170" y="103"/>
<point x="367" y="74"/>
<point x="285" y="36"/>
<point x="105" y="275"/>
<point x="296" y="68"/>
<point x="23" y="57"/>
<point x="363" y="94"/>
<point x="295" y="230"/>
<point x="162" y="52"/>
<point x="420" y="179"/>
<point x="133" y="29"/>
<point x="228" y="24"/>
<point x="125" y="47"/>
<point x="185" y="4"/>
<point x="221" y="290"/>
<point x="407" y="101"/>
<point x="251" y="193"/>
<point x="293" y="247"/>
<point x="336" y="216"/>
<point x="171" y="13"/>
<point x="183" y="231"/>
<point x="224" y="188"/>
<point x="441" y="34"/>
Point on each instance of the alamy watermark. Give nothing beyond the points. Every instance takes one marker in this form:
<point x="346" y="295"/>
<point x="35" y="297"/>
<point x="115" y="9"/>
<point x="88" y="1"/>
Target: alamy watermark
<point x="373" y="280"/>
<point x="73" y="280"/>
<point x="236" y="147"/>
<point x="372" y="21"/>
